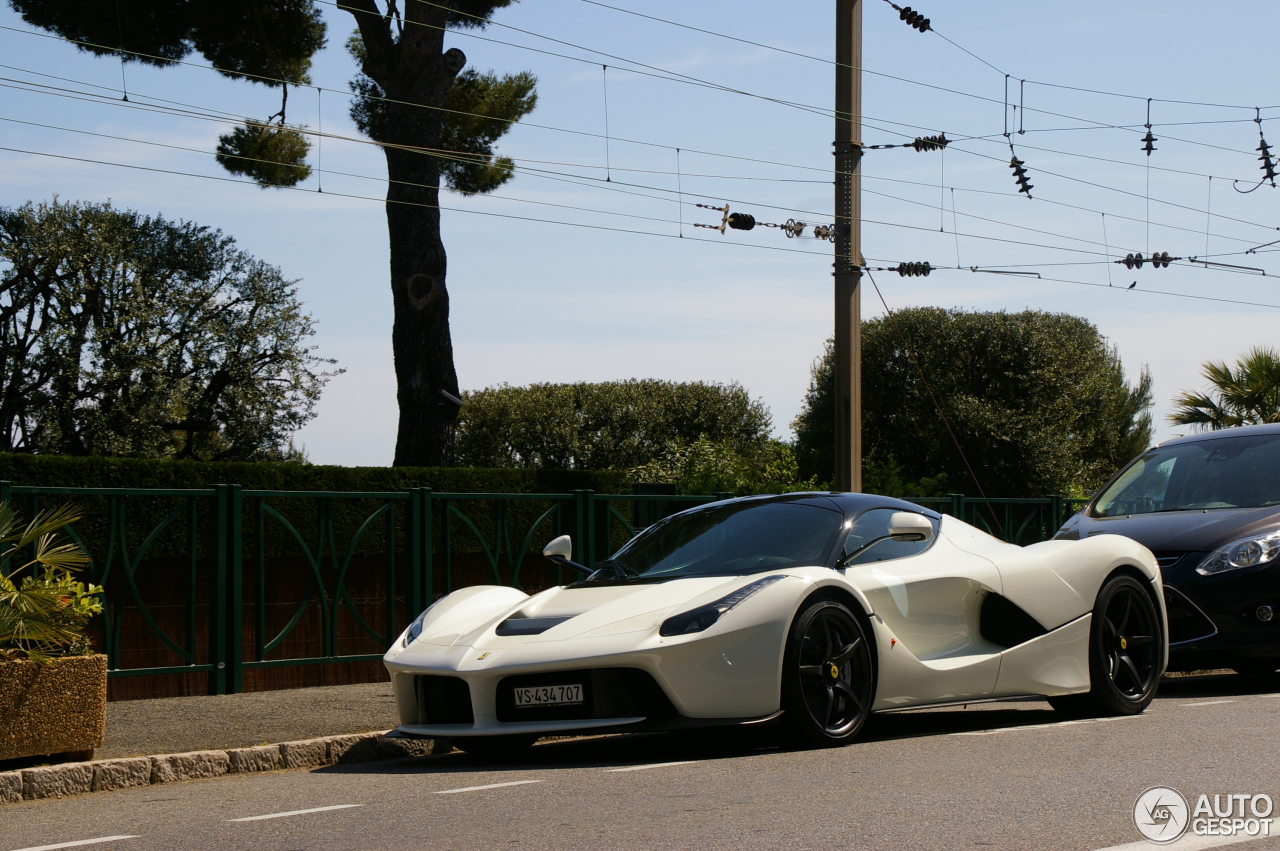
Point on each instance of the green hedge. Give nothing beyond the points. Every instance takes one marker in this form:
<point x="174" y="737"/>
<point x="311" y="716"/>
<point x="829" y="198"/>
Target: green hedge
<point x="98" y="472"/>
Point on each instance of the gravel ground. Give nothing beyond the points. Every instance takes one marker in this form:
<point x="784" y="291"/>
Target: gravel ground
<point x="177" y="724"/>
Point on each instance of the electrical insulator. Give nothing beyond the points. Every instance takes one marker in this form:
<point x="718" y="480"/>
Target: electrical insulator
<point x="1268" y="165"/>
<point x="914" y="19"/>
<point x="741" y="221"/>
<point x="913" y="270"/>
<point x="931" y="143"/>
<point x="1148" y="141"/>
<point x="1020" y="175"/>
<point x="1158" y="260"/>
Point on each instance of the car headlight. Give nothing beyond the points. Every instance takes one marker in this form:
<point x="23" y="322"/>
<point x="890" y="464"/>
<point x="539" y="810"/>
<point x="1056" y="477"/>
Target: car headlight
<point x="696" y="620"/>
<point x="415" y="629"/>
<point x="1248" y="552"/>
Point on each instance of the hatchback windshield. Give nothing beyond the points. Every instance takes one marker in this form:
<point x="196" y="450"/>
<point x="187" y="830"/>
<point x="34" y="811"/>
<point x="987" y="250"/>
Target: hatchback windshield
<point x="1230" y="472"/>
<point x="732" y="540"/>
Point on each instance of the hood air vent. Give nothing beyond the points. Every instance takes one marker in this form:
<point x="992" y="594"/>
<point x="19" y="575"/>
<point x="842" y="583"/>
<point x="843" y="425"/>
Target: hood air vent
<point x="520" y="625"/>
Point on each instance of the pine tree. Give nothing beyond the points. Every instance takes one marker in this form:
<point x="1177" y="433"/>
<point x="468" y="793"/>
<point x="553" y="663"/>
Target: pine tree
<point x="435" y="121"/>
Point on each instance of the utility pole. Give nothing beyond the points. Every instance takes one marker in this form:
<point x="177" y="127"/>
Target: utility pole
<point x="848" y="271"/>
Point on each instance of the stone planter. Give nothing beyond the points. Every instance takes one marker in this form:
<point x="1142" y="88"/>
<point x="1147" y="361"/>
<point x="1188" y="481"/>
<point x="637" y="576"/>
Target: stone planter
<point x="59" y="707"/>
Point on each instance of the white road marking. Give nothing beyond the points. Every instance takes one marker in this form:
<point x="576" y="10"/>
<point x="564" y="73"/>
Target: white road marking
<point x="297" y="812"/>
<point x="647" y="767"/>
<point x="488" y="786"/>
<point x="76" y="844"/>
<point x="1187" y="843"/>
<point x="1045" y="726"/>
<point x="1207" y="703"/>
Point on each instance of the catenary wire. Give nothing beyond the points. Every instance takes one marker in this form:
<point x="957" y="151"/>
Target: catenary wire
<point x="567" y="224"/>
<point x="528" y="170"/>
<point x="546" y="173"/>
<point x="835" y="63"/>
<point x="545" y="127"/>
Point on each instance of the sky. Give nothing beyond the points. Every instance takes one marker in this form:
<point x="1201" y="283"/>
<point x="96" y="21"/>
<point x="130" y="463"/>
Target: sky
<point x="587" y="265"/>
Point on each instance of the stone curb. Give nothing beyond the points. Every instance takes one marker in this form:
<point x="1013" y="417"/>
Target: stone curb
<point x="75" y="778"/>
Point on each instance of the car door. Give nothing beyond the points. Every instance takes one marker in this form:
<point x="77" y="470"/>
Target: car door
<point x="926" y="597"/>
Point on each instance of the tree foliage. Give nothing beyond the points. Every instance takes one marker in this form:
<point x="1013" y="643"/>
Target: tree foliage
<point x="135" y="336"/>
<point x="436" y="122"/>
<point x="270" y="154"/>
<point x="614" y="425"/>
<point x="706" y="466"/>
<point x="1246" y="394"/>
<point x="479" y="109"/>
<point x="1038" y="402"/>
<point x="270" y="42"/>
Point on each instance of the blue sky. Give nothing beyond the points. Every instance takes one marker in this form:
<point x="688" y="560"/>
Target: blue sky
<point x="547" y="301"/>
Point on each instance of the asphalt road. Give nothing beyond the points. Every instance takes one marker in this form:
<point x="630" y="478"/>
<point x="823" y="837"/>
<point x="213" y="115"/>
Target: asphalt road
<point x="999" y="776"/>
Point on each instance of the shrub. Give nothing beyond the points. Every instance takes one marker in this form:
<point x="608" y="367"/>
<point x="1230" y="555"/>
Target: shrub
<point x="43" y="610"/>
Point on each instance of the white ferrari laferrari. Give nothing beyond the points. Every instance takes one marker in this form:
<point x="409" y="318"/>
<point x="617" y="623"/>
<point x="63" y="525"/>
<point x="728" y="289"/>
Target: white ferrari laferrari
<point x="807" y="610"/>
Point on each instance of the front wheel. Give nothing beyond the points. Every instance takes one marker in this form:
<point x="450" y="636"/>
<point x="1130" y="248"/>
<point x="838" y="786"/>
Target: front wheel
<point x="828" y="675"/>
<point x="1126" y="644"/>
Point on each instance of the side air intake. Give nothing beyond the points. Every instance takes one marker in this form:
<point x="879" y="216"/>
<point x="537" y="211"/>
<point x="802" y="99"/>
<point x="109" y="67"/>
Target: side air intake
<point x="1003" y="623"/>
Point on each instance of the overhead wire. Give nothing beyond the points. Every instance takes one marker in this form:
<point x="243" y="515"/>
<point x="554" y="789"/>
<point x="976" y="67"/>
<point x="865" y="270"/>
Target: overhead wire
<point x="834" y="63"/>
<point x="794" y="104"/>
<point x="546" y="127"/>
<point x="1101" y="125"/>
<point x="888" y="224"/>
<point x="606" y="228"/>
<point x="552" y="175"/>
<point x="1097" y="124"/>
<point x="195" y="111"/>
<point x="875" y="222"/>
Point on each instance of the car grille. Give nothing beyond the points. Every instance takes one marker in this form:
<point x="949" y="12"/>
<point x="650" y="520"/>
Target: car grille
<point x="606" y="692"/>
<point x="443" y="700"/>
<point x="1168" y="559"/>
<point x="1186" y="621"/>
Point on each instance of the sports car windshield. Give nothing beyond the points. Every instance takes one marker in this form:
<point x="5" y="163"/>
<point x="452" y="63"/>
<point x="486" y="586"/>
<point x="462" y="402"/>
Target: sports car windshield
<point x="733" y="540"/>
<point x="1229" y="472"/>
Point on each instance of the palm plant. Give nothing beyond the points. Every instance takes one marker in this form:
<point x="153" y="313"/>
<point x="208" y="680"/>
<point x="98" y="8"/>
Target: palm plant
<point x="1246" y="394"/>
<point x="43" y="609"/>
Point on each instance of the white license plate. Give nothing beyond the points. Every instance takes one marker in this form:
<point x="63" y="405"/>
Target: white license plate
<point x="549" y="695"/>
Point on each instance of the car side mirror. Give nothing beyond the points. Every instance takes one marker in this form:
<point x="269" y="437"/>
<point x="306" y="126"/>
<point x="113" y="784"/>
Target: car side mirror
<point x="907" y="526"/>
<point x="560" y="548"/>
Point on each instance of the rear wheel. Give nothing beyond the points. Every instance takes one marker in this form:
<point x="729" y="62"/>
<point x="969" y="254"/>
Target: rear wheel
<point x="828" y="675"/>
<point x="1126" y="644"/>
<point x="494" y="747"/>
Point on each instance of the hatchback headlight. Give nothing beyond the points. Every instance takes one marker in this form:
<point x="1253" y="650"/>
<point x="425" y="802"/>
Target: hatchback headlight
<point x="696" y="620"/>
<point x="1248" y="552"/>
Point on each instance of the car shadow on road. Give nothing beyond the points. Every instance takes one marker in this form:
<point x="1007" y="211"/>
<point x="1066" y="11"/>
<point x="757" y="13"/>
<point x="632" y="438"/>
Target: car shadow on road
<point x="641" y="749"/>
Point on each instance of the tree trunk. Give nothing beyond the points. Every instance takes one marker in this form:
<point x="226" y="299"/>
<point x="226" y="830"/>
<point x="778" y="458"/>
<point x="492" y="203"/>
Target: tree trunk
<point x="426" y="381"/>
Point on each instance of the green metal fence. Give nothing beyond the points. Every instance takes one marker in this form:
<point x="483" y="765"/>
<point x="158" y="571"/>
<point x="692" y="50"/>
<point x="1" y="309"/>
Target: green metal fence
<point x="225" y="583"/>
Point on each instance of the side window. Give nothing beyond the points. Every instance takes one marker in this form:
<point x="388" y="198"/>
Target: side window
<point x="875" y="524"/>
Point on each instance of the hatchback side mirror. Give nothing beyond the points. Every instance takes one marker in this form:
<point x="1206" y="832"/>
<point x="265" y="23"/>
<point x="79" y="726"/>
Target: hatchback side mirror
<point x="907" y="526"/>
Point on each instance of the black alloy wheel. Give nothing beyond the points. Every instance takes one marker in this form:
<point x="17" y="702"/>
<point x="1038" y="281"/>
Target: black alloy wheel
<point x="828" y="675"/>
<point x="1126" y="645"/>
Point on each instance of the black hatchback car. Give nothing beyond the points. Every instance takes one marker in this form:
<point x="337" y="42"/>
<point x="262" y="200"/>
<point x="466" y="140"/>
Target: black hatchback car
<point x="1208" y="506"/>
